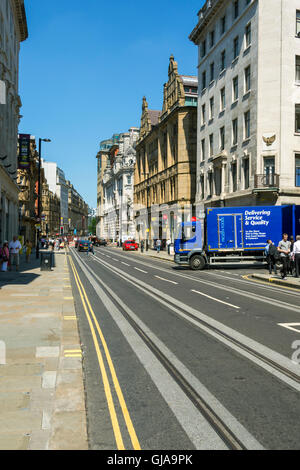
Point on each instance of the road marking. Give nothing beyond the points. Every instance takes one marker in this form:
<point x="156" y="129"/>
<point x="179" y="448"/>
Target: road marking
<point x="141" y="270"/>
<point x="290" y="326"/>
<point x="68" y="298"/>
<point x="115" y="259"/>
<point x="71" y="351"/>
<point x="70" y="317"/>
<point x="213" y="298"/>
<point x="267" y="283"/>
<point x="114" y="419"/>
<point x="167" y="280"/>
<point x="126" y="264"/>
<point x="73" y="355"/>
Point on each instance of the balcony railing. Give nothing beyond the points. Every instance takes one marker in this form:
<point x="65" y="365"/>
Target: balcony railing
<point x="266" y="181"/>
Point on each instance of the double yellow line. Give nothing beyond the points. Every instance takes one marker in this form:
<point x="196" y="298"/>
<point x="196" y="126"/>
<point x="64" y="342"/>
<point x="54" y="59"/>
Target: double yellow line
<point x="112" y="411"/>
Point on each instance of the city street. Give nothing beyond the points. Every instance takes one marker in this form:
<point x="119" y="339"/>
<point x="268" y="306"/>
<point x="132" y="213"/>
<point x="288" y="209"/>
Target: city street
<point x="176" y="359"/>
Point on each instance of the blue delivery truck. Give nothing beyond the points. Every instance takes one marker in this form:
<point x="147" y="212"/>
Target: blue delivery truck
<point x="233" y="234"/>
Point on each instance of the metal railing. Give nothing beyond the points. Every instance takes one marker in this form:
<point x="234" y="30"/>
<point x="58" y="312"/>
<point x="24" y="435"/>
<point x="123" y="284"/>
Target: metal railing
<point x="266" y="181"/>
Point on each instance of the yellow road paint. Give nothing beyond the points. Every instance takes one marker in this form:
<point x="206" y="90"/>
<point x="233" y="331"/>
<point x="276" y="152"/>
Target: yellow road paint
<point x="266" y="283"/>
<point x="107" y="390"/>
<point x="124" y="408"/>
<point x="72" y="351"/>
<point x="68" y="298"/>
<point x="69" y="317"/>
<point x="73" y="355"/>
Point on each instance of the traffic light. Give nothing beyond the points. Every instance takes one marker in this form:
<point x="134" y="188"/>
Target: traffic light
<point x="61" y="230"/>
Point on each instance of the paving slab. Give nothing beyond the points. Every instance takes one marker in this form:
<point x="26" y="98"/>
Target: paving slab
<point x="42" y="400"/>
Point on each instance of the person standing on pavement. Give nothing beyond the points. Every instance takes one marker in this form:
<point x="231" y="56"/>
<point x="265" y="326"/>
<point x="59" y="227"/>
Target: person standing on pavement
<point x="296" y="253"/>
<point x="142" y="246"/>
<point x="158" y="245"/>
<point x="14" y="250"/>
<point x="291" y="256"/>
<point x="28" y="246"/>
<point x="270" y="252"/>
<point x="284" y="248"/>
<point x="4" y="256"/>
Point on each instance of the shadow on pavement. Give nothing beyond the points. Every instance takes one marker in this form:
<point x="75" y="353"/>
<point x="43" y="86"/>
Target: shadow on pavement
<point x="23" y="276"/>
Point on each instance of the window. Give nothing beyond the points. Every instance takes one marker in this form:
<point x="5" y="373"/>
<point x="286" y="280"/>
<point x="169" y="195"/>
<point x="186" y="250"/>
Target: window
<point x="246" y="173"/>
<point x="212" y="38"/>
<point x="248" y="35"/>
<point x="203" y="80"/>
<point x="202" y="186"/>
<point x="297" y="170"/>
<point x="223" y="60"/>
<point x="203" y="48"/>
<point x="297" y="118"/>
<point x="211" y="145"/>
<point x="210" y="184"/>
<point x="235" y="9"/>
<point x="298" y="23"/>
<point x="203" y="114"/>
<point x="235" y="89"/>
<point x="234" y="176"/>
<point x="212" y="71"/>
<point x="129" y="179"/>
<point x="223" y="24"/>
<point x="234" y="132"/>
<point x="247" y="125"/>
<point x="211" y="107"/>
<point x="247" y="79"/>
<point x="297" y="68"/>
<point x="235" y="47"/>
<point x="222" y="99"/>
<point x="269" y="170"/>
<point x="222" y="138"/>
<point x="203" y="149"/>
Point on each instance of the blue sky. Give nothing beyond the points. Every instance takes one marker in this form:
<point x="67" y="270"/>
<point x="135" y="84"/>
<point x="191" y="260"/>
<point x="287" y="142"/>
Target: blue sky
<point x="87" y="65"/>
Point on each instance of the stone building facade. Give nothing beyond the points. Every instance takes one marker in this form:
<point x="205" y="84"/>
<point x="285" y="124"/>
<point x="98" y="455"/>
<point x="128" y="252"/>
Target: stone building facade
<point x="165" y="170"/>
<point x="78" y="212"/>
<point x="117" y="188"/>
<point x="13" y="30"/>
<point x="50" y="224"/>
<point x="28" y="195"/>
<point x="248" y="150"/>
<point x="103" y="158"/>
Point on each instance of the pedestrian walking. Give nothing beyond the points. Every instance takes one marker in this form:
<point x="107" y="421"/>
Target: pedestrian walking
<point x="284" y="248"/>
<point x="296" y="253"/>
<point x="271" y="252"/>
<point x="168" y="243"/>
<point x="158" y="245"/>
<point x="291" y="257"/>
<point x="14" y="250"/>
<point x="4" y="256"/>
<point x="142" y="246"/>
<point x="28" y="246"/>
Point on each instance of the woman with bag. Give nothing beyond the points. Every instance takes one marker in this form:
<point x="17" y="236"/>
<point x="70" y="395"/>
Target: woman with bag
<point x="4" y="255"/>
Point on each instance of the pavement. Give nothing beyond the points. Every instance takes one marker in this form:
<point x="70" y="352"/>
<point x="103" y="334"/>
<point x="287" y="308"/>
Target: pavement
<point x="42" y="401"/>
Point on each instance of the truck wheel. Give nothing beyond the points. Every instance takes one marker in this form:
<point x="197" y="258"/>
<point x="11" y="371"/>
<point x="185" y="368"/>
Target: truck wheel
<point x="197" y="263"/>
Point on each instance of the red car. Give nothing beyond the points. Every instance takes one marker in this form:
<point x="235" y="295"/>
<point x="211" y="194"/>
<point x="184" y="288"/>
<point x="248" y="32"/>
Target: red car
<point x="130" y="245"/>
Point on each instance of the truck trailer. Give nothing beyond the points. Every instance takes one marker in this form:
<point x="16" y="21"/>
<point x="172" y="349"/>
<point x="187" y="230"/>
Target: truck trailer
<point x="233" y="234"/>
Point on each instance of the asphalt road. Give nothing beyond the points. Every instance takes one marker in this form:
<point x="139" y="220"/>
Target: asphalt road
<point x="176" y="359"/>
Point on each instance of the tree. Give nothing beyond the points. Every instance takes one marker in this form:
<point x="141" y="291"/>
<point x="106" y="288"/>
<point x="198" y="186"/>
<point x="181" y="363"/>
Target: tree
<point x="92" y="226"/>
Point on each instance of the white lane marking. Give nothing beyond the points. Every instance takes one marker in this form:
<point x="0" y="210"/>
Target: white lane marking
<point x="233" y="334"/>
<point x="126" y="264"/>
<point x="115" y="259"/>
<point x="167" y="280"/>
<point x="197" y="429"/>
<point x="213" y="298"/>
<point x="290" y="326"/>
<point x="141" y="270"/>
<point x="107" y="256"/>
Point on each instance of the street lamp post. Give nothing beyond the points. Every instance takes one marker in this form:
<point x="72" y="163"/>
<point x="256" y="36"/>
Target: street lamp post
<point x="39" y="196"/>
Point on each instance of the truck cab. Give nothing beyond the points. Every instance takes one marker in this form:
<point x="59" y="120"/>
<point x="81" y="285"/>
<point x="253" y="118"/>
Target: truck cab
<point x="189" y="245"/>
